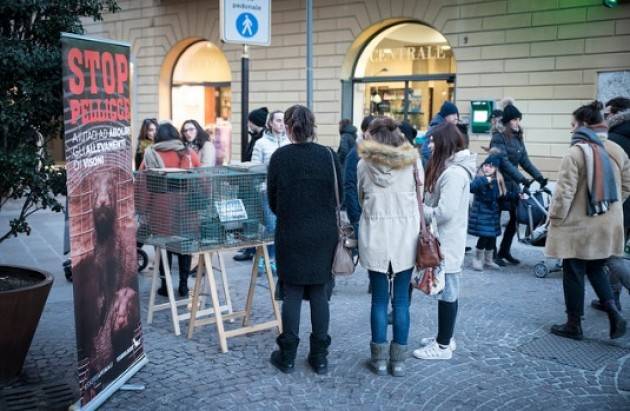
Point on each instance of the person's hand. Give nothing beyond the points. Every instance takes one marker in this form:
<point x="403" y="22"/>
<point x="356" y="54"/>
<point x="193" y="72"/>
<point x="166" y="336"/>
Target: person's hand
<point x="542" y="181"/>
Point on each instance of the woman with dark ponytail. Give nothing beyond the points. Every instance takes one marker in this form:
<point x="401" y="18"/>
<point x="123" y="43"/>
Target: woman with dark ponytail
<point x="586" y="217"/>
<point x="301" y="191"/>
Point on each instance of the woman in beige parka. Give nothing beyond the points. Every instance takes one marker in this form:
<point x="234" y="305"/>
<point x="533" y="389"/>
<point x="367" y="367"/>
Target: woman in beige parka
<point x="388" y="234"/>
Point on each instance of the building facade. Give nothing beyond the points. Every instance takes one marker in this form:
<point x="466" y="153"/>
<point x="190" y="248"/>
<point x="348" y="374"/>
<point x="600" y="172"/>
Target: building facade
<point x="400" y="58"/>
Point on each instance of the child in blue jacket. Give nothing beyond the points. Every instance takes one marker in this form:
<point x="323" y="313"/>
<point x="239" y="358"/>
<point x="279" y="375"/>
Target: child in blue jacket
<point x="484" y="220"/>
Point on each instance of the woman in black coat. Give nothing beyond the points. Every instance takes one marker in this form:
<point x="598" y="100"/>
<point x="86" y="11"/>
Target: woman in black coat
<point x="508" y="140"/>
<point x="300" y="183"/>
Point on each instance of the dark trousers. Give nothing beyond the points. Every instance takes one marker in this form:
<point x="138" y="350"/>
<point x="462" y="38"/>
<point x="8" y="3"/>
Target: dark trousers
<point x="183" y="262"/>
<point x="574" y="271"/>
<point x="292" y="305"/>
<point x="510" y="231"/>
<point x="486" y="243"/>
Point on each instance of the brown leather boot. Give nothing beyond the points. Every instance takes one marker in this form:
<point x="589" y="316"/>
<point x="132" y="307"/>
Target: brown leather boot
<point x="571" y="329"/>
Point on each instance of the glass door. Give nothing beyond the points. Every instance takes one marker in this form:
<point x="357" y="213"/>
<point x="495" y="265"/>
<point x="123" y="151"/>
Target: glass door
<point x="414" y="101"/>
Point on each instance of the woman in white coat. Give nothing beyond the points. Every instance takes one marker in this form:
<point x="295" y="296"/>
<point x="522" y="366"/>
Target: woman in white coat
<point x="388" y="234"/>
<point x="447" y="188"/>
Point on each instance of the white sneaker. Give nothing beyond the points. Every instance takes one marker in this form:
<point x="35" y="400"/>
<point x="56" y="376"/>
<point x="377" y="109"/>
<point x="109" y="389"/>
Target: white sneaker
<point x="430" y="340"/>
<point x="433" y="352"/>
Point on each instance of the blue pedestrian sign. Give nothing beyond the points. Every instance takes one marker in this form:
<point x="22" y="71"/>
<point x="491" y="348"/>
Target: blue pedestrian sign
<point x="246" y="22"/>
<point x="247" y="25"/>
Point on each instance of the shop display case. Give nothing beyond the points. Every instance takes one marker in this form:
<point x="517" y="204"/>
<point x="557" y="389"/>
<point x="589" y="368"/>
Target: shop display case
<point x="202" y="209"/>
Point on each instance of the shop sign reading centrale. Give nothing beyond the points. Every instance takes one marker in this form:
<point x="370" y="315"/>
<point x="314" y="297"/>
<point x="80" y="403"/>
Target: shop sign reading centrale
<point x="411" y="53"/>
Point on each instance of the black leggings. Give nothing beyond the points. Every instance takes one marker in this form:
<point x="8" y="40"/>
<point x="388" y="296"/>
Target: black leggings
<point x="486" y="243"/>
<point x="292" y="305"/>
<point x="510" y="231"/>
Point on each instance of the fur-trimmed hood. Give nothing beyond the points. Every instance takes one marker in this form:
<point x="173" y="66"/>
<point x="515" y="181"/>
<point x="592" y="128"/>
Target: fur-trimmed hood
<point x="382" y="159"/>
<point x="619" y="118"/>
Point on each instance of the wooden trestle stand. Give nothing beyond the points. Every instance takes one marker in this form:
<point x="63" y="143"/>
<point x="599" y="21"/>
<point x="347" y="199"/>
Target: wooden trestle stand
<point x="198" y="315"/>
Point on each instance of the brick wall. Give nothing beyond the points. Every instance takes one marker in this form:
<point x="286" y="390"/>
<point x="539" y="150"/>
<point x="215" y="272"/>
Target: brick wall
<point x="544" y="53"/>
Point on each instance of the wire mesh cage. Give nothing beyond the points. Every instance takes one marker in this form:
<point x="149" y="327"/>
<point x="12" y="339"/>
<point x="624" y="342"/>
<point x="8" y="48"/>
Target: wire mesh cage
<point x="201" y="209"/>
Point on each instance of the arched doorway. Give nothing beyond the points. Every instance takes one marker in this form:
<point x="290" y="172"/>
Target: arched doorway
<point x="404" y="70"/>
<point x="200" y="85"/>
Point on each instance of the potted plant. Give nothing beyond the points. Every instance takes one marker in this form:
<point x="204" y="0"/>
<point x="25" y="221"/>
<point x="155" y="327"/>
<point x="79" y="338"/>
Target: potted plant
<point x="31" y="114"/>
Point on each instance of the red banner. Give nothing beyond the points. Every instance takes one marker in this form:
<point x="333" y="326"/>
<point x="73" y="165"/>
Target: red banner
<point x="102" y="221"/>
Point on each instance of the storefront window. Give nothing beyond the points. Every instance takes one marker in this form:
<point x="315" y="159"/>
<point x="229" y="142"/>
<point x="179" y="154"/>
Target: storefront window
<point x="201" y="86"/>
<point x="405" y="72"/>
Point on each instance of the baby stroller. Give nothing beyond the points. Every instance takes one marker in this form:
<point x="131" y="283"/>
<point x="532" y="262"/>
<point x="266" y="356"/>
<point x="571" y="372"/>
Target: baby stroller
<point x="532" y="212"/>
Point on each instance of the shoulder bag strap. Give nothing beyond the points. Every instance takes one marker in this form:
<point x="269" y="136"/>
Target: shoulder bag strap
<point x="336" y="189"/>
<point x="419" y="196"/>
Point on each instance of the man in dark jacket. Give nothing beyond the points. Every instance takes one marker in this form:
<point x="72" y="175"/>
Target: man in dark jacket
<point x="448" y="113"/>
<point x="256" y="121"/>
<point x="617" y="114"/>
<point x="351" y="196"/>
<point x="348" y="140"/>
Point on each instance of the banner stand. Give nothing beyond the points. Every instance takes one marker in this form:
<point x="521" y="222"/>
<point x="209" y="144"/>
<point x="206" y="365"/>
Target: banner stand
<point x="114" y="386"/>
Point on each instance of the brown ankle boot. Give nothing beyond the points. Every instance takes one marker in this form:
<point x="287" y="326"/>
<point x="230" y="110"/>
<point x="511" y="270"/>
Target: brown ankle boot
<point x="617" y="322"/>
<point x="571" y="329"/>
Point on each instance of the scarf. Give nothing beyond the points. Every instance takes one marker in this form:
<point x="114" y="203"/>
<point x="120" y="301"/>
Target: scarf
<point x="602" y="187"/>
<point x="151" y="157"/>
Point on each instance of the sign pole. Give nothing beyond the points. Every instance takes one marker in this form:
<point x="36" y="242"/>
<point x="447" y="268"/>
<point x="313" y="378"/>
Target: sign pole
<point x="244" y="100"/>
<point x="309" y="54"/>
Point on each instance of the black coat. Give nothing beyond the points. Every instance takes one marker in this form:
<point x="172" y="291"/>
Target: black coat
<point x="301" y="194"/>
<point x="619" y="132"/>
<point x="514" y="151"/>
<point x="348" y="142"/>
<point x="252" y="143"/>
<point x="485" y="214"/>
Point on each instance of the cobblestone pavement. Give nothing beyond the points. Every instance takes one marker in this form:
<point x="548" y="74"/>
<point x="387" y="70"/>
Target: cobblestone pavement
<point x="505" y="358"/>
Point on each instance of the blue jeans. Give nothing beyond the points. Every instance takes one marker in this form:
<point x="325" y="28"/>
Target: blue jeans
<point x="270" y="224"/>
<point x="400" y="304"/>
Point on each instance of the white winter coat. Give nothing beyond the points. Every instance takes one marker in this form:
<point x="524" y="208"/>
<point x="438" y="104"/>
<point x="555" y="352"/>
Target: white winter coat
<point x="447" y="207"/>
<point x="389" y="224"/>
<point x="266" y="146"/>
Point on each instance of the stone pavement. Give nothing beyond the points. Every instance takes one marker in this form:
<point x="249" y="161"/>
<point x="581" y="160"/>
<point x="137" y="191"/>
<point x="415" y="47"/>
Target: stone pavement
<point x="505" y="358"/>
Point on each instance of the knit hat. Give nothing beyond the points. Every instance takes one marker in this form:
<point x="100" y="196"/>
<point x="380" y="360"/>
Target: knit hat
<point x="493" y="160"/>
<point x="448" y="108"/>
<point x="409" y="132"/>
<point x="510" y="112"/>
<point x="258" y="116"/>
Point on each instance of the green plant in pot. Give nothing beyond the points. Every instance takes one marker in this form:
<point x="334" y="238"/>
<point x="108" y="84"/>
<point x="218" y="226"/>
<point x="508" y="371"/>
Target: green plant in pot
<point x="31" y="114"/>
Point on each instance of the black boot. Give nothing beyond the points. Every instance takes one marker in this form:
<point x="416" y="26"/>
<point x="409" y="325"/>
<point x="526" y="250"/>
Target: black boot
<point x="617" y="323"/>
<point x="317" y="357"/>
<point x="284" y="358"/>
<point x="572" y="329"/>
<point x="162" y="290"/>
<point x="498" y="260"/>
<point x="508" y="257"/>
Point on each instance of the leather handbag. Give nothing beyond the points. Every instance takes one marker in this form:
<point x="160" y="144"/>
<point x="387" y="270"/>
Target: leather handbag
<point x="428" y="253"/>
<point x="343" y="262"/>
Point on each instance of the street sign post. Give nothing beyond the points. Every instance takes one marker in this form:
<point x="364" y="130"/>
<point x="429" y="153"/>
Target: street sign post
<point x="246" y="22"/>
